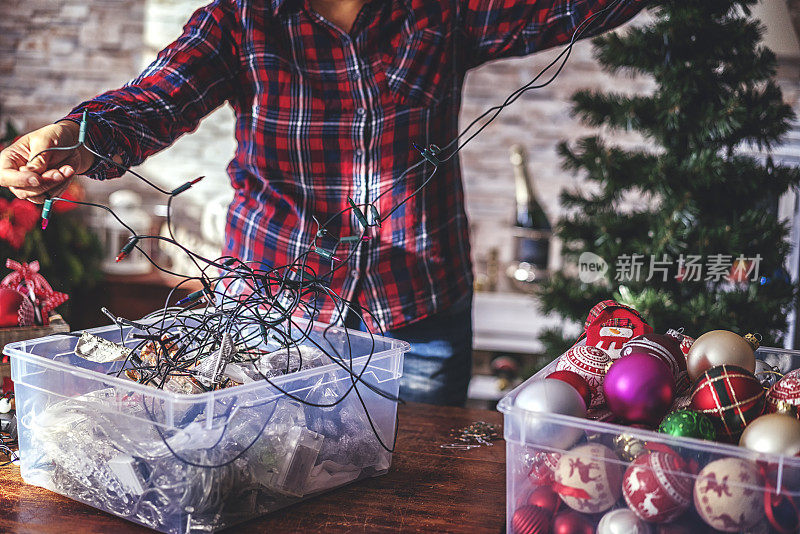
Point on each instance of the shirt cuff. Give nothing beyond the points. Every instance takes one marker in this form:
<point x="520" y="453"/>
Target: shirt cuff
<point x="99" y="138"/>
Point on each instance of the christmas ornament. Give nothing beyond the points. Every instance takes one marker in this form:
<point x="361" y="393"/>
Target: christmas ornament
<point x="782" y="513"/>
<point x="622" y="521"/>
<point x="639" y="388"/>
<point x="767" y="374"/>
<point x="666" y="349"/>
<point x="726" y="495"/>
<point x="588" y="478"/>
<point x="610" y="325"/>
<point x="26" y="279"/>
<point x="658" y="486"/>
<point x="530" y="520"/>
<point x="542" y="467"/>
<point x="785" y="391"/>
<point x="575" y="380"/>
<point x="549" y="396"/>
<point x="688" y="424"/>
<point x="730" y="396"/>
<point x="627" y="447"/>
<point x="680" y="403"/>
<point x="720" y="347"/>
<point x="591" y="364"/>
<point x="774" y="433"/>
<point x="570" y="522"/>
<point x="684" y="342"/>
<point x="545" y="498"/>
<point x="15" y="309"/>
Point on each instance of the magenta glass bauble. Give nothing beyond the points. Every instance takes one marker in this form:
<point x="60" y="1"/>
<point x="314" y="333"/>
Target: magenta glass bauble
<point x="639" y="388"/>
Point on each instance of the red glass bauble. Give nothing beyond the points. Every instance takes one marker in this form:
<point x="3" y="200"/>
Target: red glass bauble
<point x="666" y="349"/>
<point x="571" y="522"/>
<point x="529" y="519"/>
<point x="545" y="498"/>
<point x="730" y="396"/>
<point x="591" y="364"/>
<point x="575" y="380"/>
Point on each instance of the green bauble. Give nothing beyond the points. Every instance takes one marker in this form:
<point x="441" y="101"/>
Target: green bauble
<point x="688" y="424"/>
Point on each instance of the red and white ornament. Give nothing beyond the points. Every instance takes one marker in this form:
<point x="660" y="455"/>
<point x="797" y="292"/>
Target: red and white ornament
<point x="543" y="467"/>
<point x="26" y="279"/>
<point x="588" y="478"/>
<point x="591" y="364"/>
<point x="727" y="495"/>
<point x="666" y="349"/>
<point x="657" y="486"/>
<point x="786" y="390"/>
<point x="15" y="309"/>
<point x="610" y="325"/>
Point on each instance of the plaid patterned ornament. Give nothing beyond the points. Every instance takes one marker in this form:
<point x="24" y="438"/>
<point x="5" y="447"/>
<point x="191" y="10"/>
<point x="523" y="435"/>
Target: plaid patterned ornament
<point x="731" y="396"/>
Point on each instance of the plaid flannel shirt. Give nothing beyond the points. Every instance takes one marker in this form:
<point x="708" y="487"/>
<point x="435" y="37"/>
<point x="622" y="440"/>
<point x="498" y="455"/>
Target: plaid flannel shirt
<point x="322" y="115"/>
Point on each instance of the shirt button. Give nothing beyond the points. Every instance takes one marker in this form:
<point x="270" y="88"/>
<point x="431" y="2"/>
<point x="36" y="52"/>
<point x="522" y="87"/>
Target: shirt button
<point x="359" y="152"/>
<point x="361" y="111"/>
<point x="355" y="75"/>
<point x="354" y="273"/>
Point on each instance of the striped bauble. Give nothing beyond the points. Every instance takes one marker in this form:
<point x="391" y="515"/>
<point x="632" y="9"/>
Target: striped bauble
<point x="666" y="349"/>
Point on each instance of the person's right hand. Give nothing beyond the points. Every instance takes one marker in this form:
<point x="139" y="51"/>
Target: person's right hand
<point x="49" y="173"/>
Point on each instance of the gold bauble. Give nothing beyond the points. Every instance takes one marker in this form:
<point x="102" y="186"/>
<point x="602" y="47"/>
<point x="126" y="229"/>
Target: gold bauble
<point x="716" y="348"/>
<point x="629" y="448"/>
<point x="775" y="433"/>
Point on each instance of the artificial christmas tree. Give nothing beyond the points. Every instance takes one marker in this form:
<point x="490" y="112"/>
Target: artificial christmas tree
<point x="703" y="247"/>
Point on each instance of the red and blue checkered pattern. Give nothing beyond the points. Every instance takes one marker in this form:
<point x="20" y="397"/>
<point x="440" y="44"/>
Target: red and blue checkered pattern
<point x="322" y="115"/>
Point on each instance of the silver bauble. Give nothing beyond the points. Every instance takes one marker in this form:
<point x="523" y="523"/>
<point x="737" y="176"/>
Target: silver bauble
<point x="540" y="398"/>
<point x="774" y="433"/>
<point x="716" y="348"/>
<point x="622" y="521"/>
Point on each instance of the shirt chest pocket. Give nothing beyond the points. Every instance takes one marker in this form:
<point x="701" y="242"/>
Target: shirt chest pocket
<point x="418" y="68"/>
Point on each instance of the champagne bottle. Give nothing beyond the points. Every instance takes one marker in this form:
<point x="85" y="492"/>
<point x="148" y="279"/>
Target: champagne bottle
<point x="532" y="229"/>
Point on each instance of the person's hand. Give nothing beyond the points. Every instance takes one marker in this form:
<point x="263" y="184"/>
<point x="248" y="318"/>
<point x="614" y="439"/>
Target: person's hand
<point x="48" y="174"/>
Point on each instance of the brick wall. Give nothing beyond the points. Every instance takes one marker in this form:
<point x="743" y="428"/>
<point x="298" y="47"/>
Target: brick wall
<point x="54" y="53"/>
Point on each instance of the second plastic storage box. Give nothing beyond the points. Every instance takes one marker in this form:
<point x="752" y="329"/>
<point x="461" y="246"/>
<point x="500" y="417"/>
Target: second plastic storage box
<point x="708" y="487"/>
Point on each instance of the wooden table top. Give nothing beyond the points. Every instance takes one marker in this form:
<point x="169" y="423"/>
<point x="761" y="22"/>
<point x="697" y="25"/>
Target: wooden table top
<point x="427" y="489"/>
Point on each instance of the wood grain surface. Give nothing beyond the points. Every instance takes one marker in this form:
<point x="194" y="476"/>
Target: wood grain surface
<point x="427" y="489"/>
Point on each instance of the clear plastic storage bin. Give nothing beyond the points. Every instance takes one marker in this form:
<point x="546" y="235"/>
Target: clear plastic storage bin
<point x="532" y="460"/>
<point x="198" y="463"/>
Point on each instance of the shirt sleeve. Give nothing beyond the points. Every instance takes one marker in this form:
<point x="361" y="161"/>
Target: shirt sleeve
<point x="190" y="78"/>
<point x="503" y="28"/>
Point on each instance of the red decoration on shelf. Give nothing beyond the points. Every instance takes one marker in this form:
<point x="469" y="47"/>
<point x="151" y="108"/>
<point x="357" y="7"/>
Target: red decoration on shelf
<point x="26" y="279"/>
<point x="17" y="218"/>
<point x="15" y="309"/>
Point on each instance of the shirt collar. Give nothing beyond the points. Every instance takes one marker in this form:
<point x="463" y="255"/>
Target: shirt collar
<point x="278" y="4"/>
